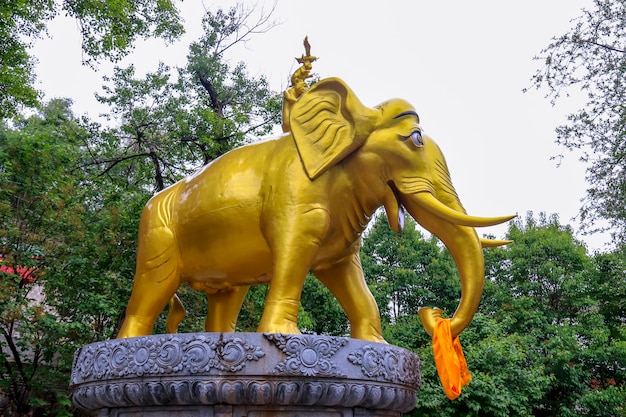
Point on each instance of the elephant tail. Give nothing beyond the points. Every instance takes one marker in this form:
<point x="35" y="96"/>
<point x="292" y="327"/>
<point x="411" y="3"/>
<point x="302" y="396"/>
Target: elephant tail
<point x="175" y="315"/>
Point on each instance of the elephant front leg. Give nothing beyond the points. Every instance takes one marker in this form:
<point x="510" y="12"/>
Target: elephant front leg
<point x="346" y="282"/>
<point x="295" y="240"/>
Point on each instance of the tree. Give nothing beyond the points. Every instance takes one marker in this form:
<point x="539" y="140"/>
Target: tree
<point x="38" y="209"/>
<point x="168" y="124"/>
<point x="546" y="287"/>
<point x="607" y="284"/>
<point x="71" y="194"/>
<point x="321" y="312"/>
<point x="164" y="126"/>
<point x="541" y="271"/>
<point x="549" y="336"/>
<point x="507" y="378"/>
<point x="406" y="271"/>
<point x="245" y="104"/>
<point x="591" y="57"/>
<point x="141" y="151"/>
<point x="169" y="127"/>
<point x="108" y="29"/>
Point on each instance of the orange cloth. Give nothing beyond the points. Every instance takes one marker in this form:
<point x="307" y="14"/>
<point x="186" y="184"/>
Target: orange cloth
<point x="450" y="361"/>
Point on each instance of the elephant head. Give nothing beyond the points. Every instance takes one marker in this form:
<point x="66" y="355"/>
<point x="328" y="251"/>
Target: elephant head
<point x="399" y="167"/>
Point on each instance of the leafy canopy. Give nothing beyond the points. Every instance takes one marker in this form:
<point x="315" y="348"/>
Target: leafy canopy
<point x="591" y="57"/>
<point x="71" y="195"/>
<point x="108" y="29"/>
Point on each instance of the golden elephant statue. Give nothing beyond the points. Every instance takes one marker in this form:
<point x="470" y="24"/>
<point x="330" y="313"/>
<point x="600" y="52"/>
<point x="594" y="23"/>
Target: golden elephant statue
<point x="272" y="211"/>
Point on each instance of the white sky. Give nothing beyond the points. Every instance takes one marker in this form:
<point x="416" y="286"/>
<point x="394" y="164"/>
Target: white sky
<point x="462" y="64"/>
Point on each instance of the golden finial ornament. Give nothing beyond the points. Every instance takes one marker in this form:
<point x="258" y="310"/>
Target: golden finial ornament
<point x="298" y="82"/>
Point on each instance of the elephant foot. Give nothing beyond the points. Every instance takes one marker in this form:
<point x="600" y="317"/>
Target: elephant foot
<point x="372" y="338"/>
<point x="370" y="332"/>
<point x="279" y="317"/>
<point x="134" y="326"/>
<point x="285" y="328"/>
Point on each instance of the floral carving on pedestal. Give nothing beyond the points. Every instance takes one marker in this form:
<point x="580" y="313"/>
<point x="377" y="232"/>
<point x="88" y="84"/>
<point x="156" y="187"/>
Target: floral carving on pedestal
<point x="163" y="354"/>
<point x="389" y="364"/>
<point x="234" y="353"/>
<point x="179" y="374"/>
<point x="307" y="355"/>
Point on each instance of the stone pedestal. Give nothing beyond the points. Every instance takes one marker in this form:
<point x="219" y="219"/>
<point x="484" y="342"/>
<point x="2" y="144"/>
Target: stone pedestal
<point x="244" y="375"/>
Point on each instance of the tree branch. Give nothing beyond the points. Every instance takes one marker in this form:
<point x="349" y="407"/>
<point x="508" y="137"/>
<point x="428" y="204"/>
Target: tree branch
<point x="113" y="161"/>
<point x="158" y="172"/>
<point x="262" y="25"/>
<point x="116" y="161"/>
<point x="608" y="48"/>
<point x="216" y="104"/>
<point x="20" y="368"/>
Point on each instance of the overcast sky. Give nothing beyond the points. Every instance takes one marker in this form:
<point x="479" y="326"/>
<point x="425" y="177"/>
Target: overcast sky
<point x="462" y="64"/>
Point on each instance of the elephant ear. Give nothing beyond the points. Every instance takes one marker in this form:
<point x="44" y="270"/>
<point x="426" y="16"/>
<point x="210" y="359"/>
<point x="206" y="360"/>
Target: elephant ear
<point x="328" y="123"/>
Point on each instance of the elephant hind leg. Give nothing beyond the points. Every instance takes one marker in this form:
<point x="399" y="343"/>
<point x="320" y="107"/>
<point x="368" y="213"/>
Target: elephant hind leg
<point x="175" y="314"/>
<point x="223" y="309"/>
<point x="157" y="278"/>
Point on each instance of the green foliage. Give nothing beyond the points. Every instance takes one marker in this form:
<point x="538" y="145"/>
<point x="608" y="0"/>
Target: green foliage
<point x="71" y="190"/>
<point x="245" y="104"/>
<point x="591" y="57"/>
<point x="195" y="304"/>
<point x="406" y="271"/>
<point x="19" y="21"/>
<point x="547" y="288"/>
<point x="541" y="273"/>
<point x="408" y="332"/>
<point x="322" y="310"/>
<point x="39" y="214"/>
<point x="108" y="28"/>
<point x="170" y="126"/>
<point x="141" y="152"/>
<point x="252" y="308"/>
<point x="607" y="285"/>
<point x="506" y="380"/>
<point x="548" y="339"/>
<point x="166" y="127"/>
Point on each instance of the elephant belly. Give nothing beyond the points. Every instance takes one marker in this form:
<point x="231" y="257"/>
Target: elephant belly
<point x="224" y="248"/>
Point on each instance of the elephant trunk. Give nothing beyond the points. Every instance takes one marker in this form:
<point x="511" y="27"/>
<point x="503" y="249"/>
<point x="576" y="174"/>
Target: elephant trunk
<point x="440" y="211"/>
<point x="466" y="250"/>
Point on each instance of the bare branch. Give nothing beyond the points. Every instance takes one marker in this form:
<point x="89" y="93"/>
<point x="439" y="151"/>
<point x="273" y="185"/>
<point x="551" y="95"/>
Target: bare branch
<point x="262" y="25"/>
<point x="608" y="48"/>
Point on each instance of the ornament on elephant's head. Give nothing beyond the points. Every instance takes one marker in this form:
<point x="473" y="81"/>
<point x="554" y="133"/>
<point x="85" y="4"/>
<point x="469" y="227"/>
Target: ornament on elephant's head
<point x="298" y="83"/>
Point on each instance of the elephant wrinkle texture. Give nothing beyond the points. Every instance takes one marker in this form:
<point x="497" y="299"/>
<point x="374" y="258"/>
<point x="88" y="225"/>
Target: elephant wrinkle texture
<point x="270" y="212"/>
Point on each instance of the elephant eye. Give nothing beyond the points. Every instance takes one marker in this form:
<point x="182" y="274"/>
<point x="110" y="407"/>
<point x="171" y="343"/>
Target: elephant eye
<point x="416" y="138"/>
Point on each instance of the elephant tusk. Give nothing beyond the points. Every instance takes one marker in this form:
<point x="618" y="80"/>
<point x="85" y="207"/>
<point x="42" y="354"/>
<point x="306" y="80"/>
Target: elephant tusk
<point x="437" y="208"/>
<point x="494" y="243"/>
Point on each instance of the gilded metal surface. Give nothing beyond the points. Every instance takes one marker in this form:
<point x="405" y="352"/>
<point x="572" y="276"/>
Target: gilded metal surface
<point x="298" y="83"/>
<point x="274" y="210"/>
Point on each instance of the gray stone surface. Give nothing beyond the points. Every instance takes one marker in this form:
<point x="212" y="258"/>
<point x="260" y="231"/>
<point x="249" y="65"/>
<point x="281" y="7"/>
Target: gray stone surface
<point x="244" y="374"/>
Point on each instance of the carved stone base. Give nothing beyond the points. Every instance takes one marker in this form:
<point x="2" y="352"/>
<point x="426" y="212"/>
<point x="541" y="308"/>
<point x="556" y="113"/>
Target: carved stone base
<point x="244" y="375"/>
